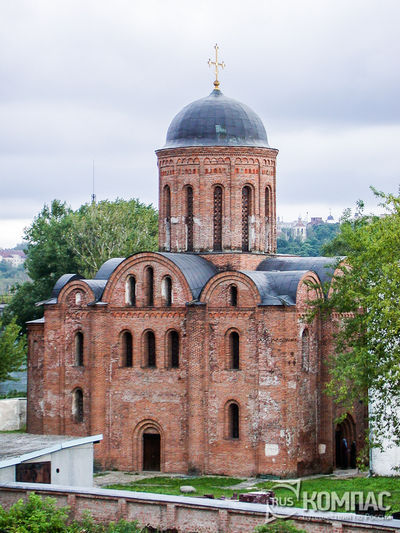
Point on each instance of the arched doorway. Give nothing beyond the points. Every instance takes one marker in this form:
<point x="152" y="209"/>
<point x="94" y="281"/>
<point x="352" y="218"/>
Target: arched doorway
<point x="151" y="449"/>
<point x="345" y="441"/>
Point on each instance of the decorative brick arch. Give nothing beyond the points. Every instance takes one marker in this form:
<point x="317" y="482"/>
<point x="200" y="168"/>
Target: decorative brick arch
<point x="147" y="425"/>
<point x="144" y="259"/>
<point x="87" y="293"/>
<point x="230" y="278"/>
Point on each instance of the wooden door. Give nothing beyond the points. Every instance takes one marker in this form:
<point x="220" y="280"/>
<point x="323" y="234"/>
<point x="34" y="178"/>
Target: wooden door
<point x="151" y="451"/>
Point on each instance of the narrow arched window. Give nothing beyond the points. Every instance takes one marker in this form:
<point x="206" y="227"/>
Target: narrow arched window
<point x="233" y="295"/>
<point x="79" y="348"/>
<point x="189" y="219"/>
<point x="166" y="290"/>
<point x="267" y="219"/>
<point x="173" y="349"/>
<point x="150" y="349"/>
<point x="127" y="349"/>
<point x="167" y="210"/>
<point x="149" y="286"/>
<point x="77" y="405"/>
<point x="305" y="350"/>
<point x="234" y="350"/>
<point x="130" y="291"/>
<point x="217" y="218"/>
<point x="246" y="213"/>
<point x="267" y="203"/>
<point x="233" y="420"/>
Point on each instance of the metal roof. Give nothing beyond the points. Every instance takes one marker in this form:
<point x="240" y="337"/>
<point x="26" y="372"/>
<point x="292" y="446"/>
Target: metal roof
<point x="196" y="269"/>
<point x="216" y="120"/>
<point x="97" y="286"/>
<point x="61" y="282"/>
<point x="108" y="267"/>
<point x="276" y="288"/>
<point x="324" y="267"/>
<point x="18" y="447"/>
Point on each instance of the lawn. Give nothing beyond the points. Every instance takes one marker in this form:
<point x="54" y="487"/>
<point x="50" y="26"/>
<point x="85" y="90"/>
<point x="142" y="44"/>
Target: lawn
<point x="222" y="486"/>
<point x="217" y="485"/>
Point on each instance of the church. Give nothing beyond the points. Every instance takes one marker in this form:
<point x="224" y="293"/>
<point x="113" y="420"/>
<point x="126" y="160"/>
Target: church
<point x="197" y="358"/>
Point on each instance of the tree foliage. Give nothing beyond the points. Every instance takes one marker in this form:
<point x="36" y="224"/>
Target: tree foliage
<point x="61" y="241"/>
<point x="317" y="237"/>
<point x="41" y="515"/>
<point x="365" y="293"/>
<point x="12" y="350"/>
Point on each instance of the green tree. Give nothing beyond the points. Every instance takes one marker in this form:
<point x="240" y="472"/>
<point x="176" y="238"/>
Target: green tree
<point x="279" y="526"/>
<point x="12" y="350"/>
<point x="61" y="241"/>
<point x="111" y="229"/>
<point x="365" y="292"/>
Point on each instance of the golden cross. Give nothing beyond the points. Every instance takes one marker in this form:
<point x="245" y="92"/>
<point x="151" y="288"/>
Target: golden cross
<point x="222" y="65"/>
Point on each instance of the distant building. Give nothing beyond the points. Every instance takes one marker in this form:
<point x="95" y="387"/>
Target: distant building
<point x="13" y="257"/>
<point x="300" y="230"/>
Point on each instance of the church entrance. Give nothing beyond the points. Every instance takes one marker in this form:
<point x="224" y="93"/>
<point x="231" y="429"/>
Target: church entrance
<point x="151" y="450"/>
<point x="345" y="441"/>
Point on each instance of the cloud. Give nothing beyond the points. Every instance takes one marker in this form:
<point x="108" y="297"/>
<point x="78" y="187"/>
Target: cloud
<point x="100" y="80"/>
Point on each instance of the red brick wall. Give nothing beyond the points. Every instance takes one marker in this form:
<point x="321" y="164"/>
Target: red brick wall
<point x="284" y="417"/>
<point x="203" y="168"/>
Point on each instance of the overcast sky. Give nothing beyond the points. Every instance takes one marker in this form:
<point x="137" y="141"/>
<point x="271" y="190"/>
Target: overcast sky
<point x="83" y="80"/>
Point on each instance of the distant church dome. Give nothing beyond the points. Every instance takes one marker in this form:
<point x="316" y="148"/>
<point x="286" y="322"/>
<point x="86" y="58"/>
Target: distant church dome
<point x="216" y="120"/>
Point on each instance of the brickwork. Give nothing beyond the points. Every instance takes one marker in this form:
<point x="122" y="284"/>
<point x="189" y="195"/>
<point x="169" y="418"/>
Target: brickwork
<point x="203" y="169"/>
<point x="186" y="515"/>
<point x="283" y="416"/>
<point x="244" y="395"/>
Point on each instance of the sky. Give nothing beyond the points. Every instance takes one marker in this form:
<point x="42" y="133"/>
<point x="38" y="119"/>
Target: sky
<point x="85" y="80"/>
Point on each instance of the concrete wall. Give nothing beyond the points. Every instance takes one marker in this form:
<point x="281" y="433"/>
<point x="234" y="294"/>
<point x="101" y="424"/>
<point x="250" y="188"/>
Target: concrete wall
<point x="69" y="466"/>
<point x="12" y="414"/>
<point x="384" y="462"/>
<point x="187" y="514"/>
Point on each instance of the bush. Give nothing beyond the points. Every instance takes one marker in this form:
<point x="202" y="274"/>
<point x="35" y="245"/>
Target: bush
<point x="38" y="515"/>
<point x="279" y="526"/>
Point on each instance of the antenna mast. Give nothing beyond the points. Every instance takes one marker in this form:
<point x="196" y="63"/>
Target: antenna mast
<point x="93" y="193"/>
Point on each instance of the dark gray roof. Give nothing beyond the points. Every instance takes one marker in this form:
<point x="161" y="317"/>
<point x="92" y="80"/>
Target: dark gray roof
<point x="97" y="286"/>
<point x="196" y="269"/>
<point x="61" y="282"/>
<point x="323" y="266"/>
<point x="216" y="120"/>
<point x="108" y="267"/>
<point x="276" y="288"/>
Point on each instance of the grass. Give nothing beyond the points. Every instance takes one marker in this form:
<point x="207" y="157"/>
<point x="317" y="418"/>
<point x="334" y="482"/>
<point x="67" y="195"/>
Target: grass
<point x="219" y="486"/>
<point x="341" y="486"/>
<point x="222" y="486"/>
<point x="22" y="430"/>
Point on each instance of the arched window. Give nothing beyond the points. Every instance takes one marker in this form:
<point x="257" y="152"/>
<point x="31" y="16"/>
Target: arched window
<point x="166" y="290"/>
<point x="127" y="349"/>
<point x="173" y="349"/>
<point x="234" y="350"/>
<point x="79" y="348"/>
<point x="217" y="218"/>
<point x="267" y="203"/>
<point x="189" y="219"/>
<point x="130" y="291"/>
<point x="167" y="210"/>
<point x="78" y="298"/>
<point x="149" y="286"/>
<point x="305" y="350"/>
<point x="77" y="405"/>
<point x="267" y="219"/>
<point x="150" y="349"/>
<point x="233" y="421"/>
<point x="246" y="213"/>
<point x="233" y="295"/>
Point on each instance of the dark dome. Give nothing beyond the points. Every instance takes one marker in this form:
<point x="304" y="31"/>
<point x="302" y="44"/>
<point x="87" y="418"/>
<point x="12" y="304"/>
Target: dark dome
<point x="216" y="120"/>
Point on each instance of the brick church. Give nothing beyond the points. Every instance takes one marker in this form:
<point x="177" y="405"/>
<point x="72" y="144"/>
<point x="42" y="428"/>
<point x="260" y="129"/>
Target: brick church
<point x="196" y="358"/>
